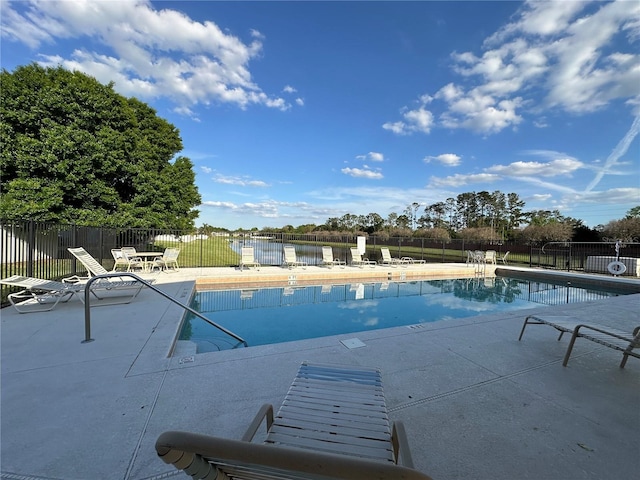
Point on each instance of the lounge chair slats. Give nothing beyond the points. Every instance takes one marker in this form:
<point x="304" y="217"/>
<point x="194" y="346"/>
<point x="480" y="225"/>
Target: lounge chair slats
<point x="333" y="443"/>
<point x="353" y="426"/>
<point x="356" y="397"/>
<point x="333" y="424"/>
<point x="334" y="398"/>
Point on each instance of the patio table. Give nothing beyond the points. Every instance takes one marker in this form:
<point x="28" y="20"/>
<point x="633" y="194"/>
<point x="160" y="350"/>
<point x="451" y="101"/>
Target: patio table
<point x="147" y="259"/>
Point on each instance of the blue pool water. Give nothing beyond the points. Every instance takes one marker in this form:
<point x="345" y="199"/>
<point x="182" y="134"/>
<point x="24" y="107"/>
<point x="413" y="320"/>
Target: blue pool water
<point x="282" y="314"/>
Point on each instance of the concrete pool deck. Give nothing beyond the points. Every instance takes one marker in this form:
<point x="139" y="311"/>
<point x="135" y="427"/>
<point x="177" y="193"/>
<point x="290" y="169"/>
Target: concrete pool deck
<point x="476" y="403"/>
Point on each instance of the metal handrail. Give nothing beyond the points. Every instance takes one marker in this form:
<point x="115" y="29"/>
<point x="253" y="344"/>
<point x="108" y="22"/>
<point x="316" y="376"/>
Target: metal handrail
<point x="87" y="305"/>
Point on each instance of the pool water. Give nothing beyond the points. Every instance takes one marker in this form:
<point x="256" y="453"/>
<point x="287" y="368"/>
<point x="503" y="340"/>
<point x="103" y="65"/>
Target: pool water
<point x="283" y="314"/>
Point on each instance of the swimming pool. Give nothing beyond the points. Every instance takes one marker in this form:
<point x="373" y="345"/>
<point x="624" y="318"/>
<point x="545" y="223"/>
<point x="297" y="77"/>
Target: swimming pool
<point x="270" y="315"/>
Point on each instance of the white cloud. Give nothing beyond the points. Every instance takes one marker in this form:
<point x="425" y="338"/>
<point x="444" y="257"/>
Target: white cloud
<point x="539" y="197"/>
<point x="561" y="166"/>
<point x="459" y="180"/>
<point x="289" y="89"/>
<point x="362" y="173"/>
<point x="395" y="127"/>
<point x="206" y="170"/>
<point x="555" y="55"/>
<point x="375" y="156"/>
<point x="417" y="120"/>
<point x="447" y="159"/>
<point x="267" y="209"/>
<point x="197" y="64"/>
<point x="241" y="181"/>
<point x="613" y="196"/>
<point x="300" y="102"/>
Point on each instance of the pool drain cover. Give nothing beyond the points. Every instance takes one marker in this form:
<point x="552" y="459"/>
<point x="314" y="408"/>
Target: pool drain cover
<point x="353" y="343"/>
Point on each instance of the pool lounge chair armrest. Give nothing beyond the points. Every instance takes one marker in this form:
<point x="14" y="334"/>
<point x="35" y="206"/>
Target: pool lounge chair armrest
<point x="265" y="412"/>
<point x="401" y="445"/>
<point x="194" y="452"/>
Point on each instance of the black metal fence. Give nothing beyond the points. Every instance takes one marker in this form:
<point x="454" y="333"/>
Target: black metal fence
<point x="39" y="249"/>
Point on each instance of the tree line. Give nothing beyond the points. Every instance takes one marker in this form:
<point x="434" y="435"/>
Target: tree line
<point x="483" y="216"/>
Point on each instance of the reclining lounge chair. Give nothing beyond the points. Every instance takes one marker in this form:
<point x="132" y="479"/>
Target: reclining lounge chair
<point x="248" y="259"/>
<point x="333" y="424"/>
<point x="387" y="259"/>
<point x="358" y="261"/>
<point x="94" y="268"/>
<point x="290" y="259"/>
<point x="39" y="295"/>
<point x="328" y="259"/>
<point x="620" y="340"/>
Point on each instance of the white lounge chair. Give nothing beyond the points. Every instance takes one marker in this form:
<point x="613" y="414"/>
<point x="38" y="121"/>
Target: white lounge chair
<point x="504" y="258"/>
<point x="247" y="258"/>
<point x="94" y="269"/>
<point x="387" y="259"/>
<point x="623" y="341"/>
<point x="39" y="295"/>
<point x="119" y="260"/>
<point x="133" y="260"/>
<point x="490" y="256"/>
<point x="358" y="261"/>
<point x="332" y="425"/>
<point x="290" y="259"/>
<point x="329" y="260"/>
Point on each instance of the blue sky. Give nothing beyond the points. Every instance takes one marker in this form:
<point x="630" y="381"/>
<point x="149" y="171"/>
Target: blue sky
<point x="295" y="112"/>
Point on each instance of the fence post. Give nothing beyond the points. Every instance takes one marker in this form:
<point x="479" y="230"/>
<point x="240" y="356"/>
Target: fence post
<point x="32" y="245"/>
<point x="530" y="256"/>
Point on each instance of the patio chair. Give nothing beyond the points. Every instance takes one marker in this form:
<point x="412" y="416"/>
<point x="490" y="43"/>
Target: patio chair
<point x="333" y="424"/>
<point x="94" y="269"/>
<point x="247" y="258"/>
<point x="119" y="260"/>
<point x="358" y="261"/>
<point x="620" y="340"/>
<point x="290" y="259"/>
<point x="490" y="256"/>
<point x="387" y="259"/>
<point x="169" y="259"/>
<point x="503" y="259"/>
<point x="39" y="295"/>
<point x="133" y="260"/>
<point x="329" y="260"/>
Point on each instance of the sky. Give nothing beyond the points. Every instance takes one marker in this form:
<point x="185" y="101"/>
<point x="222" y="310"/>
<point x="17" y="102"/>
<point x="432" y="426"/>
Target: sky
<point x="295" y="112"/>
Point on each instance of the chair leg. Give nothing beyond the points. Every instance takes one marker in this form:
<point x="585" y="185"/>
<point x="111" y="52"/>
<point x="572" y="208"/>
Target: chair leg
<point x="570" y="348"/>
<point x="625" y="357"/>
<point x="526" y="320"/>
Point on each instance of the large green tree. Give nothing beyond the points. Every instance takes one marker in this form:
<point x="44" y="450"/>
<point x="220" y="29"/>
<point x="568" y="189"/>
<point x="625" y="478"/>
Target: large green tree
<point x="73" y="150"/>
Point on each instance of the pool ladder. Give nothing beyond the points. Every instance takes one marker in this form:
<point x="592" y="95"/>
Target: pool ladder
<point x="87" y="306"/>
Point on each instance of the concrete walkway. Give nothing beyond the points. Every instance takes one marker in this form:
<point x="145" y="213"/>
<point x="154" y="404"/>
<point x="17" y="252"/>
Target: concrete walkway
<point x="476" y="403"/>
